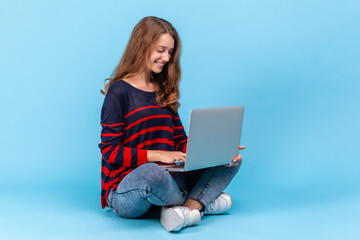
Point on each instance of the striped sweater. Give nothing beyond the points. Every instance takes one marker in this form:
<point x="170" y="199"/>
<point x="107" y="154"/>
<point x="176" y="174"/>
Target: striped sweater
<point x="132" y="123"/>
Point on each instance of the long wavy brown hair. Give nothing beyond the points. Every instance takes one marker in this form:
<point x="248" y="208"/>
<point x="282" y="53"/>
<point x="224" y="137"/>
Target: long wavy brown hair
<point x="137" y="54"/>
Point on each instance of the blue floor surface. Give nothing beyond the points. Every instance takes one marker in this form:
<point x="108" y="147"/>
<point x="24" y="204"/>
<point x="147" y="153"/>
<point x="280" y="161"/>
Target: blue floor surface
<point x="75" y="213"/>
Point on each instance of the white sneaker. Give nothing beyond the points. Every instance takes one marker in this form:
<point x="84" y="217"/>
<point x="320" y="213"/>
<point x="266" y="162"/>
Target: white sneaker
<point x="175" y="218"/>
<point x="219" y="205"/>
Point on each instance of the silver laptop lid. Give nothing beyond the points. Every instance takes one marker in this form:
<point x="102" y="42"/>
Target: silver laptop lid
<point x="214" y="136"/>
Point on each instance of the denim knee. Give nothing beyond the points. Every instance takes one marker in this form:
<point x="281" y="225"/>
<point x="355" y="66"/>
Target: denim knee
<point x="154" y="176"/>
<point x="127" y="205"/>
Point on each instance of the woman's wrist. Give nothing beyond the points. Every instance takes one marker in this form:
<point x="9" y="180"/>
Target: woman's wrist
<point x="153" y="155"/>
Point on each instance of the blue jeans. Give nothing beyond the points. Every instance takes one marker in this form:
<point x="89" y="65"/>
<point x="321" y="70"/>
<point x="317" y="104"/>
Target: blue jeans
<point x="150" y="184"/>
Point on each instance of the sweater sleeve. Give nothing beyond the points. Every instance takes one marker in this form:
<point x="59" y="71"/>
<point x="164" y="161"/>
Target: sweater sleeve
<point x="112" y="135"/>
<point x="180" y="138"/>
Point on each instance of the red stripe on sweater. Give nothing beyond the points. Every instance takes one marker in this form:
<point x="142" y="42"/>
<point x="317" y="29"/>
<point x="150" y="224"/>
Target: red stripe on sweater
<point x="103" y="202"/>
<point x="156" y="140"/>
<point x="184" y="148"/>
<point x="147" y="118"/>
<point x="112" y="125"/>
<point x="139" y="109"/>
<point x="113" y="154"/>
<point x="105" y="149"/>
<point x="105" y="170"/>
<point x="141" y="157"/>
<point x="182" y="141"/>
<point x="122" y="170"/>
<point x="178" y="127"/>
<point x="177" y="136"/>
<point x="127" y="157"/>
<point x="111" y="134"/>
<point x="152" y="129"/>
<point x="178" y="145"/>
<point x="112" y="184"/>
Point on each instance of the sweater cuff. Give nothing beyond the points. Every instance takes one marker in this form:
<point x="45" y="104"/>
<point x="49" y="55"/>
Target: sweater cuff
<point x="142" y="156"/>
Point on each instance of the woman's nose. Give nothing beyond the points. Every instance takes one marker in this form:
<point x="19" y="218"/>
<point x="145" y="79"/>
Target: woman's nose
<point x="166" y="57"/>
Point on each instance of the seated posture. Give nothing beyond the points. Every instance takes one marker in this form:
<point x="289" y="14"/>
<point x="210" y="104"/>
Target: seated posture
<point x="141" y="129"/>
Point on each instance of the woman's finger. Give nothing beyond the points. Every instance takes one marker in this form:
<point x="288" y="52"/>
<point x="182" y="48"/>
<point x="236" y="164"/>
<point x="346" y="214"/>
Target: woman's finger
<point x="241" y="147"/>
<point x="237" y="158"/>
<point x="182" y="154"/>
<point x="182" y="157"/>
<point x="232" y="164"/>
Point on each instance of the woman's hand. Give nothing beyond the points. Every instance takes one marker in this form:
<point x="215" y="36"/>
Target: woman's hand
<point x="237" y="159"/>
<point x="165" y="156"/>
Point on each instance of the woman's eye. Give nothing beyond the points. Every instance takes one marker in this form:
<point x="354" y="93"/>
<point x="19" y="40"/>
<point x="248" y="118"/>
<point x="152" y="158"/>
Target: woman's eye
<point x="161" y="51"/>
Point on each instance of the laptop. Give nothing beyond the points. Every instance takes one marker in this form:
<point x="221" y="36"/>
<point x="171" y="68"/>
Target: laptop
<point x="213" y="139"/>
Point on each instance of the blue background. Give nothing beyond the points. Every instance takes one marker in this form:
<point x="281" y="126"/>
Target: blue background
<point x="294" y="65"/>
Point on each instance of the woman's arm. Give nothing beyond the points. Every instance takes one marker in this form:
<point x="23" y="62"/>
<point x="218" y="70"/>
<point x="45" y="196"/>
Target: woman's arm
<point x="112" y="134"/>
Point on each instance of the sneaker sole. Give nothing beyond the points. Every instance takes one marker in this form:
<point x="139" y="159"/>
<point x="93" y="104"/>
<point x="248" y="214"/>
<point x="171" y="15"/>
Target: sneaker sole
<point x="170" y="219"/>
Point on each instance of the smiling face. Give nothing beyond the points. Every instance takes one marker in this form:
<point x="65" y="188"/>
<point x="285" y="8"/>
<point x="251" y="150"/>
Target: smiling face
<point x="161" y="53"/>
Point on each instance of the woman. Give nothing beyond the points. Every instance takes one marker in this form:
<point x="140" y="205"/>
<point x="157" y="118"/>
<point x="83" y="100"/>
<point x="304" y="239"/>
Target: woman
<point x="141" y="129"/>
